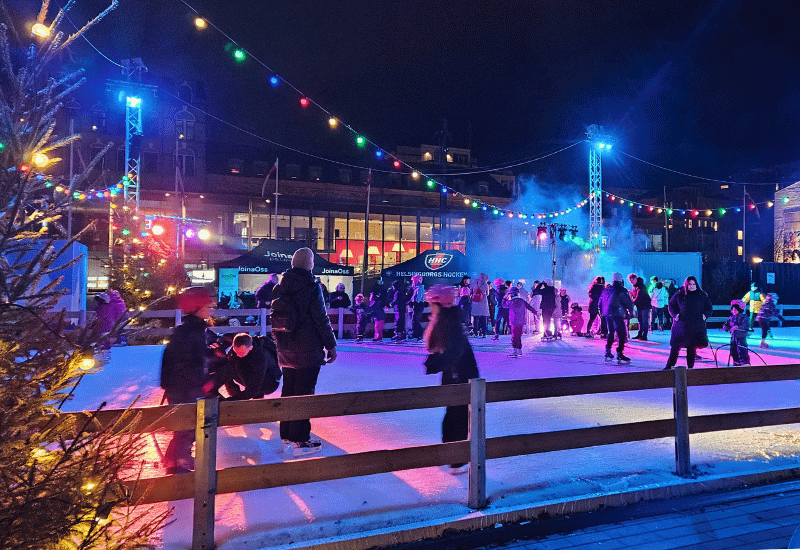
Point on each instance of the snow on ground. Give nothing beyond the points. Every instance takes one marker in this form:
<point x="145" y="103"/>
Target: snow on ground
<point x="279" y="517"/>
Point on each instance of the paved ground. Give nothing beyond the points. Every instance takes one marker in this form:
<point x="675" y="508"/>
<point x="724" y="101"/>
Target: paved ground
<point x="751" y="518"/>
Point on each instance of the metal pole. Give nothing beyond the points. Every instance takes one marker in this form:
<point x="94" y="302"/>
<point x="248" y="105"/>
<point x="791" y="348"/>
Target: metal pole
<point x="365" y="257"/>
<point x="276" y="199"/>
<point x="666" y="222"/>
<point x="250" y="223"/>
<point x="71" y="159"/>
<point x="744" y="223"/>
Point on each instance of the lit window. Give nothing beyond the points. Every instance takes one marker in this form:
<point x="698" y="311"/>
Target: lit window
<point x="427" y="156"/>
<point x="449" y="157"/>
<point x="739" y="250"/>
<point x="739" y="235"/>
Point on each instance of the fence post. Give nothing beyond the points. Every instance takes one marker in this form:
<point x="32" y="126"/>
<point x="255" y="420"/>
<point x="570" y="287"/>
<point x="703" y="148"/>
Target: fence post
<point x="341" y="323"/>
<point x="680" y="404"/>
<point x="205" y="473"/>
<point x="263" y="321"/>
<point x="178" y="317"/>
<point x="477" y="443"/>
<point x="82" y="318"/>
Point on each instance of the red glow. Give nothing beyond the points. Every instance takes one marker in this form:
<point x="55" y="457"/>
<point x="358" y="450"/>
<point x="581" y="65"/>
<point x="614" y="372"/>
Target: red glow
<point x="649" y="208"/>
<point x="695" y="213"/>
<point x="24" y="168"/>
<point x="543" y="236"/>
<point x="304" y="102"/>
<point x="752" y="206"/>
<point x="396" y="163"/>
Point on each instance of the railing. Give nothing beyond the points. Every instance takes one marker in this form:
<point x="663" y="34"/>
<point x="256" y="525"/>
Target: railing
<point x="343" y="320"/>
<point x="208" y="415"/>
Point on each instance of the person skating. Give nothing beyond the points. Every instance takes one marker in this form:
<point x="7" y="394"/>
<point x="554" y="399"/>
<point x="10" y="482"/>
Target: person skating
<point x="302" y="344"/>
<point x="399" y="300"/>
<point x="416" y="306"/>
<point x="689" y="309"/>
<point x="595" y="289"/>
<point x="517" y="317"/>
<point x="767" y="311"/>
<point x="616" y="306"/>
<point x="480" y="305"/>
<point x="339" y="297"/>
<point x="548" y="294"/>
<point x="659" y="297"/>
<point x="502" y="308"/>
<point x="377" y="305"/>
<point x="452" y="355"/>
<point x="184" y="370"/>
<point x="363" y="316"/>
<point x="738" y="325"/>
<point x="641" y="300"/>
<point x="754" y="300"/>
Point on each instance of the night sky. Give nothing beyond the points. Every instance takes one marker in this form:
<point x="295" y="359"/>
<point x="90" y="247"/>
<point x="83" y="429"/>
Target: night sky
<point x="709" y="88"/>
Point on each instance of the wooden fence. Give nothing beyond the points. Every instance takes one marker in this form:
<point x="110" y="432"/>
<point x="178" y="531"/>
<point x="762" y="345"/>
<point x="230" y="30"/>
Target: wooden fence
<point x="208" y="415"/>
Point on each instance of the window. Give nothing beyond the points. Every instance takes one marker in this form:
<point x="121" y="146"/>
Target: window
<point x="186" y="161"/>
<point x="344" y="175"/>
<point x="94" y="150"/>
<point x="235" y="166"/>
<point x="314" y="173"/>
<point x="149" y="162"/>
<point x="98" y="119"/>
<point x="293" y="171"/>
<point x="185" y="93"/>
<point x="184" y="125"/>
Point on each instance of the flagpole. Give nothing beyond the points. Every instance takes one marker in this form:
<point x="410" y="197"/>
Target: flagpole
<point x="366" y="234"/>
<point x="744" y="224"/>
<point x="276" y="199"/>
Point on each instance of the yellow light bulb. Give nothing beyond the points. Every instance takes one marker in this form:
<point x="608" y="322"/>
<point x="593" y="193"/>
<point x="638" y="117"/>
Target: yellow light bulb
<point x="40" y="160"/>
<point x="333" y="122"/>
<point x="40" y="30"/>
<point x="415" y="175"/>
<point x="200" y="23"/>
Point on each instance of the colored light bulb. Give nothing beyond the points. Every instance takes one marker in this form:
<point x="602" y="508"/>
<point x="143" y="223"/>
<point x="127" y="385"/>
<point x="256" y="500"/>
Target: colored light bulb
<point x="361" y="141"/>
<point x="304" y="102"/>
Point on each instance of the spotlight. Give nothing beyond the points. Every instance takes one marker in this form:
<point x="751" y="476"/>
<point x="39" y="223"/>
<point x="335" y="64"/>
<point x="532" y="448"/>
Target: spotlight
<point x="158" y="230"/>
<point x="541" y="232"/>
<point x="204" y="234"/>
<point x="190" y="233"/>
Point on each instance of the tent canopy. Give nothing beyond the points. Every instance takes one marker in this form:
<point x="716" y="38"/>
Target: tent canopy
<point x="435" y="266"/>
<point x="273" y="256"/>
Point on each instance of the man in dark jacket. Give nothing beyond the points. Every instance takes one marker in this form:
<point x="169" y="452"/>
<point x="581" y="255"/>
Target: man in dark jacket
<point x="616" y="305"/>
<point x="183" y="370"/>
<point x="547" y="291"/>
<point x="264" y="292"/>
<point x="301" y="351"/>
<point x="641" y="300"/>
<point x="399" y="301"/>
<point x="250" y="372"/>
<point x="377" y="303"/>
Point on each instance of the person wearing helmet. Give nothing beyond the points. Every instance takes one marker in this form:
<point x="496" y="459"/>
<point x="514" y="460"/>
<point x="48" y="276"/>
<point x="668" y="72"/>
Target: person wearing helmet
<point x="183" y="370"/>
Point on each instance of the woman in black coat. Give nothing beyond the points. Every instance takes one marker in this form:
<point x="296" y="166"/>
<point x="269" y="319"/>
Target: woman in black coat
<point x="595" y="290"/>
<point x="689" y="307"/>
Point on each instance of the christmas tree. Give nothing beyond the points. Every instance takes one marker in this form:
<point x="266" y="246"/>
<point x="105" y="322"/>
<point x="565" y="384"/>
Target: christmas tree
<point x="60" y="482"/>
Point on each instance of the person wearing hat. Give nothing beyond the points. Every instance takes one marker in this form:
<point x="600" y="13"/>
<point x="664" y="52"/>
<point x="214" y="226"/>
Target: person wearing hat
<point x="738" y="325"/>
<point x="615" y="305"/>
<point x="518" y="309"/>
<point x="451" y="354"/>
<point x="302" y="348"/>
<point x="183" y="369"/>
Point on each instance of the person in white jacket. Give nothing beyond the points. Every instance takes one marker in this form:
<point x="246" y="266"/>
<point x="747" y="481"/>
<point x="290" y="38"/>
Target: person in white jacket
<point x="659" y="298"/>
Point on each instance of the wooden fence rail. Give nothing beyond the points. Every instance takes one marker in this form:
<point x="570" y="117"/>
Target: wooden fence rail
<point x="208" y="415"/>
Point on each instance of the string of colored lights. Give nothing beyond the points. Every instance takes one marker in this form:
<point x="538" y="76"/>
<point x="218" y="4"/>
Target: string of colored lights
<point x="240" y="54"/>
<point x="694" y="212"/>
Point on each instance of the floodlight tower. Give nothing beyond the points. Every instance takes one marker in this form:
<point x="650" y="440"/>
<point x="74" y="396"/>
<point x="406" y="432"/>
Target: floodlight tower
<point x="599" y="141"/>
<point x="133" y="94"/>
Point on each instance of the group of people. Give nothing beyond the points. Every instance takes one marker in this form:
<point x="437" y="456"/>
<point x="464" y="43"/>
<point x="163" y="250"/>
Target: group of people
<point x="196" y="364"/>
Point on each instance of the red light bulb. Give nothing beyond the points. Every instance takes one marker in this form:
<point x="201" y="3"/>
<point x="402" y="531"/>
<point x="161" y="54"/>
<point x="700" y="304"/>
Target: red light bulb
<point x="396" y="163"/>
<point x="304" y="102"/>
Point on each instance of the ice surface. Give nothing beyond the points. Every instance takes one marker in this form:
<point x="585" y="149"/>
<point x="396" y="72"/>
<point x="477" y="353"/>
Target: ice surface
<point x="279" y="517"/>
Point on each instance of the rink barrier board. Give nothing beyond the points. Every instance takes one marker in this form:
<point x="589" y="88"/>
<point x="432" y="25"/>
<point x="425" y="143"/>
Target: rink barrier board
<point x="243" y="478"/>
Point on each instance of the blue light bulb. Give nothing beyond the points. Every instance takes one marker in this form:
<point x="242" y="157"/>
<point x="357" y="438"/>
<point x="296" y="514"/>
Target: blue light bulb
<point x="379" y="153"/>
<point x="274" y="81"/>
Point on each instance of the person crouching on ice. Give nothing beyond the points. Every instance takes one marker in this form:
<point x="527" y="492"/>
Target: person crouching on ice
<point x="451" y="354"/>
<point x="576" y="319"/>
<point x="738" y="324"/>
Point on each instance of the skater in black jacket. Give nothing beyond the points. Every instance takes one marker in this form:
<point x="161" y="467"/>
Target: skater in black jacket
<point x="616" y="307"/>
<point x="451" y="354"/>
<point x="689" y="307"/>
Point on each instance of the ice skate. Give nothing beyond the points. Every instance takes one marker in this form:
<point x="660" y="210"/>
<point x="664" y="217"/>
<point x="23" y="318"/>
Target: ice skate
<point x="303" y="448"/>
<point x="609" y="356"/>
<point x="514" y="353"/>
<point x="495" y="338"/>
<point x="763" y="344"/>
<point x="622" y="359"/>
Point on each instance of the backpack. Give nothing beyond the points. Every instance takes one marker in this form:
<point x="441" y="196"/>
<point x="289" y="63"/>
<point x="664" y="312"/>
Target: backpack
<point x="477" y="294"/>
<point x="285" y="313"/>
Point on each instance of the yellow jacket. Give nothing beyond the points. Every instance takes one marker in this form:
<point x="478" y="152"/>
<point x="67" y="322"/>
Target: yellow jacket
<point x="755" y="303"/>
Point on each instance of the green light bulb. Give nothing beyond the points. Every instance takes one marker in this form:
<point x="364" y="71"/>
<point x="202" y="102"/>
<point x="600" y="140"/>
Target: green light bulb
<point x="784" y="200"/>
<point x="669" y="211"/>
<point x="238" y="54"/>
<point x="431" y="183"/>
<point x="721" y="211"/>
<point x="360" y="141"/>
